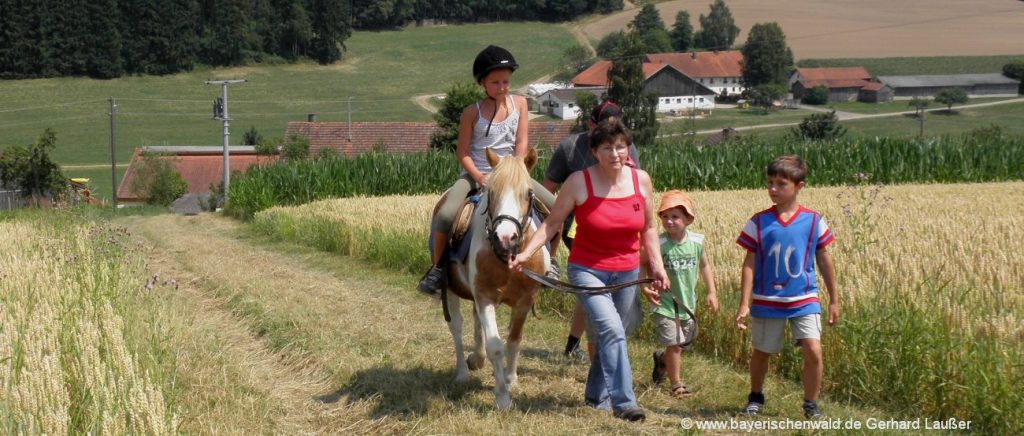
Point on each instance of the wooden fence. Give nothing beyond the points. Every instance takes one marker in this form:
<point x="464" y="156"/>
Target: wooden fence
<point x="11" y="200"/>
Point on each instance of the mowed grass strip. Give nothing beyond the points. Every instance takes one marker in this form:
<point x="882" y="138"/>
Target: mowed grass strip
<point x="930" y="277"/>
<point x="381" y="72"/>
<point x="386" y="352"/>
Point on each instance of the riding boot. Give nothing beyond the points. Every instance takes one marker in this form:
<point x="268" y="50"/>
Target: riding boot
<point x="434" y="279"/>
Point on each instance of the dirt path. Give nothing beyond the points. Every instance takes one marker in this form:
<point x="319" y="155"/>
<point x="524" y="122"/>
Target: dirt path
<point x="423" y="101"/>
<point x="273" y="338"/>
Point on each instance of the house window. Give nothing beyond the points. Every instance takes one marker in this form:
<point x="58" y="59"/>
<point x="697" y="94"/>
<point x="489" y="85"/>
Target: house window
<point x="702" y="99"/>
<point x="689" y="99"/>
<point x="679" y="100"/>
<point x="568" y="105"/>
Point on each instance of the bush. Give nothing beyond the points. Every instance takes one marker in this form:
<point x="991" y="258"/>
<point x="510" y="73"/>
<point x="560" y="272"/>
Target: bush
<point x="157" y="181"/>
<point x="1015" y="70"/>
<point x="459" y="96"/>
<point x="252" y="137"/>
<point x="820" y="126"/>
<point x="295" y="148"/>
<point x="816" y="95"/>
<point x="267" y="148"/>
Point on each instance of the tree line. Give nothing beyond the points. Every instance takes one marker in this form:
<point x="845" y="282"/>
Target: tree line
<point x="110" y="38"/>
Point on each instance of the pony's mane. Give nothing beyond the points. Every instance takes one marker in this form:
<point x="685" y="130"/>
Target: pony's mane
<point x="510" y="173"/>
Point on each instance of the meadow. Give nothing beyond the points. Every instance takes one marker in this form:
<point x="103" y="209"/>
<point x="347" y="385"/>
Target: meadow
<point x="931" y="295"/>
<point x="381" y="73"/>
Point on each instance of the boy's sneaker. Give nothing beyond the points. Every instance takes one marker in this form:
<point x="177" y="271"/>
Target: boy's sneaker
<point x="811" y="410"/>
<point x="755" y="402"/>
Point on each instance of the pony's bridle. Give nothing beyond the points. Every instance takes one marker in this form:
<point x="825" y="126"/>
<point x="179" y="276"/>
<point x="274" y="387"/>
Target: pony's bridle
<point x="491" y="225"/>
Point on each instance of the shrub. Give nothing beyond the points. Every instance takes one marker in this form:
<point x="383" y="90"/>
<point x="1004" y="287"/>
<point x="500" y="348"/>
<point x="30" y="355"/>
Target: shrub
<point x="820" y="126"/>
<point x="157" y="181"/>
<point x="267" y="148"/>
<point x="816" y="95"/>
<point x="1015" y="70"/>
<point x="252" y="137"/>
<point x="295" y="148"/>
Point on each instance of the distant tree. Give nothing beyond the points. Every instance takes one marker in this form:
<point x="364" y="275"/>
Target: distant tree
<point x="820" y="126"/>
<point x="951" y="96"/>
<point x="766" y="94"/>
<point x="330" y="29"/>
<point x="380" y="14"/>
<point x="1015" y="70"/>
<point x="651" y="29"/>
<point x="764" y="56"/>
<point x="158" y="37"/>
<point x="31" y="170"/>
<point x="626" y="87"/>
<point x="157" y="180"/>
<point x="224" y="36"/>
<point x="295" y="147"/>
<point x="608" y="6"/>
<point x="575" y="59"/>
<point x="919" y="103"/>
<point x="296" y="30"/>
<point x="586" y="101"/>
<point x="682" y="32"/>
<point x="252" y="137"/>
<point x="718" y="30"/>
<point x="816" y="95"/>
<point x="459" y="96"/>
<point x="610" y="44"/>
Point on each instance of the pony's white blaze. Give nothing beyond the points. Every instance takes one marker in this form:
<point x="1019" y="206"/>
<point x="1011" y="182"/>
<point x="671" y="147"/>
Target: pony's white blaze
<point x="506" y="231"/>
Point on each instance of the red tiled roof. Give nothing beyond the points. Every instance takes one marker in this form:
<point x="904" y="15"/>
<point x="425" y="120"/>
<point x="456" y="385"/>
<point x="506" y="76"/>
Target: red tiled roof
<point x="835" y="83"/>
<point x="873" y="86"/>
<point x="702" y="64"/>
<point x="399" y="137"/>
<point x="198" y="170"/>
<point x="396" y="137"/>
<point x="838" y="73"/>
<point x="597" y="74"/>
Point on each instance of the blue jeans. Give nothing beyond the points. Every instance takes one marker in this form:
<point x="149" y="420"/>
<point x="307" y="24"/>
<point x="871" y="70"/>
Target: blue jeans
<point x="610" y="381"/>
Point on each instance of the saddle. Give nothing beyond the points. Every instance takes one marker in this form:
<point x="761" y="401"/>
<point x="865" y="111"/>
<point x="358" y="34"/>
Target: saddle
<point x="459" y="237"/>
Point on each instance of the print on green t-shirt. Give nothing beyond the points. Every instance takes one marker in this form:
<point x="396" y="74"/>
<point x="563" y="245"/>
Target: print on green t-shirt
<point x="682" y="261"/>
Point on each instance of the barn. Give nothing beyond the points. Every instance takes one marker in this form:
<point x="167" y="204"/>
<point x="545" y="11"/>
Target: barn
<point x="975" y="85"/>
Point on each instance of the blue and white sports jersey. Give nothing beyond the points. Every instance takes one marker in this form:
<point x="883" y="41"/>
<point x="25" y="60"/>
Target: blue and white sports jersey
<point x="784" y="281"/>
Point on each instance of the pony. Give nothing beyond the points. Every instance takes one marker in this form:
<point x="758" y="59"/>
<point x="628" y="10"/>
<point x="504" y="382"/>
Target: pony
<point x="501" y="222"/>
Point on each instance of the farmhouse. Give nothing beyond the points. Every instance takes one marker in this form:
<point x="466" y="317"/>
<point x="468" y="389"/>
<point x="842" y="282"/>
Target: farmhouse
<point x="200" y="166"/>
<point x="720" y="71"/>
<point x="675" y="90"/>
<point x="975" y="85"/>
<point x="397" y="137"/>
<point x="843" y="83"/>
<point x="561" y="103"/>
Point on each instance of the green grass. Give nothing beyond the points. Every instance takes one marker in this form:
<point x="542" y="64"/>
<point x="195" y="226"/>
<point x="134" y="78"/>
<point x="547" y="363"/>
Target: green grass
<point x="920" y="65"/>
<point x="722" y="118"/>
<point x="891" y="106"/>
<point x="381" y="72"/>
<point x="1009" y="116"/>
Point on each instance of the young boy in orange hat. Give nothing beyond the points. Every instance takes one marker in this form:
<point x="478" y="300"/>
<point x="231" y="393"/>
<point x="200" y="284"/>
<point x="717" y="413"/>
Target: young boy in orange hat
<point x="683" y="254"/>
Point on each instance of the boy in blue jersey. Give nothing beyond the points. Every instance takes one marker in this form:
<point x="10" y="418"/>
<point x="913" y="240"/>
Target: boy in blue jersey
<point x="779" y="285"/>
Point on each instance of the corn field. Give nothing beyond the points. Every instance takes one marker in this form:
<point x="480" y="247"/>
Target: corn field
<point x="68" y="361"/>
<point x="986" y="155"/>
<point x="931" y="279"/>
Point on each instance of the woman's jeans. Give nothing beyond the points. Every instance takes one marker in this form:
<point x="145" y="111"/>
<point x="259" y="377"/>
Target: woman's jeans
<point x="610" y="381"/>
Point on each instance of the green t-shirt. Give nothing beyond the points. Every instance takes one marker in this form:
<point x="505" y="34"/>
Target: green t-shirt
<point x="682" y="261"/>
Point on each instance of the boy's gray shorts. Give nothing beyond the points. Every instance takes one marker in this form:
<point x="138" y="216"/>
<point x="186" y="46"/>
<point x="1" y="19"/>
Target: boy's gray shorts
<point x="671" y="334"/>
<point x="766" y="333"/>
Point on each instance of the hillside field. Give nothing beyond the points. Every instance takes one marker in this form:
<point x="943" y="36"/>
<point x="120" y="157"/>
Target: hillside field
<point x="381" y="72"/>
<point x="863" y="28"/>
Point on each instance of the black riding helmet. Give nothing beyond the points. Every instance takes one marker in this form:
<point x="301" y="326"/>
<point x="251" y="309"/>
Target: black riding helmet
<point x="492" y="58"/>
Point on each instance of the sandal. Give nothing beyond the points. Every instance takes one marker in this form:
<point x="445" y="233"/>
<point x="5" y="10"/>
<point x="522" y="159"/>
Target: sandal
<point x="680" y="391"/>
<point x="658" y="374"/>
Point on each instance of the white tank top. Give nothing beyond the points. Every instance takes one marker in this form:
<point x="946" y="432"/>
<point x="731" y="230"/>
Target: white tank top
<point x="501" y="140"/>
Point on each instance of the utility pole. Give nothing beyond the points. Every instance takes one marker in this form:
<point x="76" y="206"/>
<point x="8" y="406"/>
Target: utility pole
<point x="350" y="119"/>
<point x="920" y="121"/>
<point x="113" y="156"/>
<point x="220" y="112"/>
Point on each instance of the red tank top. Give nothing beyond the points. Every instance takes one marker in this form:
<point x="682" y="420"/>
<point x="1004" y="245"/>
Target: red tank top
<point x="608" y="230"/>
